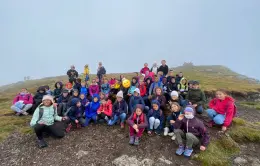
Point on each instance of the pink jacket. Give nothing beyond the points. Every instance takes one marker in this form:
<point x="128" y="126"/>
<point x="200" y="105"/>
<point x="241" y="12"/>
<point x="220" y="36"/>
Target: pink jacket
<point x="27" y="98"/>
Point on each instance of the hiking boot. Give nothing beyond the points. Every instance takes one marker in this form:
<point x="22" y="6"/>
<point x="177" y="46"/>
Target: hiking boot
<point x="180" y="150"/>
<point x="173" y="137"/>
<point x="122" y="125"/>
<point x="68" y="128"/>
<point x="171" y="134"/>
<point x="24" y="113"/>
<point x="132" y="140"/>
<point x="166" y="131"/>
<point x="136" y="141"/>
<point x="188" y="152"/>
<point x="42" y="144"/>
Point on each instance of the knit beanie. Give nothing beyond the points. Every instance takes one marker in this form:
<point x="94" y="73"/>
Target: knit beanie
<point x="120" y="94"/>
<point x="189" y="109"/>
<point x="48" y="97"/>
<point x="174" y="93"/>
<point x="137" y="90"/>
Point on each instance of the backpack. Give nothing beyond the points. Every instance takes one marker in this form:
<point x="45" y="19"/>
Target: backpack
<point x="41" y="110"/>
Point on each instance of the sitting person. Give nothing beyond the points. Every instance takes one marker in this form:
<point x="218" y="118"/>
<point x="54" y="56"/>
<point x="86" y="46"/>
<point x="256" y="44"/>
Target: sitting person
<point x="175" y="97"/>
<point x="192" y="130"/>
<point x="22" y="102"/>
<point x="164" y="85"/>
<point x="105" y="110"/>
<point x="154" y="85"/>
<point x="171" y="119"/>
<point x="183" y="87"/>
<point x="155" y="118"/>
<point x="93" y="88"/>
<point x="196" y="97"/>
<point x="48" y="90"/>
<point x="222" y="109"/>
<point x="119" y="110"/>
<point x="75" y="114"/>
<point x="142" y="88"/>
<point x="83" y="100"/>
<point x="58" y="90"/>
<point x="62" y="102"/>
<point x="159" y="97"/>
<point x="137" y="123"/>
<point x="91" y="110"/>
<point x="105" y="88"/>
<point x="37" y="99"/>
<point x="172" y="86"/>
<point x="83" y="89"/>
<point x="75" y="94"/>
<point x="133" y="86"/>
<point x="134" y="100"/>
<point x="77" y="84"/>
<point x="43" y="120"/>
<point x="69" y="87"/>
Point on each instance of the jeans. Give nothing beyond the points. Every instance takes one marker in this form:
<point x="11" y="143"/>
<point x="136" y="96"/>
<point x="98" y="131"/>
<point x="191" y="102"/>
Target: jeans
<point x="134" y="133"/>
<point x="122" y="118"/>
<point x="94" y="118"/>
<point x="154" y="123"/>
<point x="87" y="78"/>
<point x="190" y="139"/>
<point x="217" y="118"/>
<point x="18" y="110"/>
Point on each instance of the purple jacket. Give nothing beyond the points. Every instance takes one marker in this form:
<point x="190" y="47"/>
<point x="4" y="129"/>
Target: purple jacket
<point x="27" y="98"/>
<point x="194" y="126"/>
<point x="93" y="89"/>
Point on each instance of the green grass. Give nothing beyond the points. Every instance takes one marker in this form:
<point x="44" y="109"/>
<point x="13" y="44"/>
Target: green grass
<point x="255" y="105"/>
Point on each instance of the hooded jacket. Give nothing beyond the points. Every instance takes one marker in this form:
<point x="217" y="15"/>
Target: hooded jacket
<point x="91" y="109"/>
<point x="26" y="98"/>
<point x="84" y="90"/>
<point x="57" y="91"/>
<point x="143" y="70"/>
<point x="142" y="90"/>
<point x="86" y="70"/>
<point x="183" y="87"/>
<point x="75" y="112"/>
<point x="107" y="108"/>
<point x="105" y="88"/>
<point x="119" y="108"/>
<point x="196" y="96"/>
<point x="134" y="100"/>
<point x="172" y="87"/>
<point x="93" y="89"/>
<point x="157" y="114"/>
<point x="225" y="107"/>
<point x="39" y="96"/>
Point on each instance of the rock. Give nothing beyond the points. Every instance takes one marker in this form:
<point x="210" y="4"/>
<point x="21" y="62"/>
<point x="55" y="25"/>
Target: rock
<point x="240" y="161"/>
<point x="147" y="162"/>
<point x="81" y="154"/>
<point x="164" y="160"/>
<point x="126" y="161"/>
<point x="256" y="162"/>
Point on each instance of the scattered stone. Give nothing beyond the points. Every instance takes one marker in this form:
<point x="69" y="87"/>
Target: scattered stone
<point x="147" y="162"/>
<point x="81" y="154"/>
<point x="126" y="161"/>
<point x="240" y="161"/>
<point x="164" y="160"/>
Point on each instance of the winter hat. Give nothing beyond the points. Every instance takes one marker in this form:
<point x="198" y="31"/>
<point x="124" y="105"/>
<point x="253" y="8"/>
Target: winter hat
<point x="120" y="94"/>
<point x="139" y="106"/>
<point x="174" y="93"/>
<point x="189" y="109"/>
<point x="96" y="96"/>
<point x="137" y="90"/>
<point x="74" y="101"/>
<point x="156" y="102"/>
<point x="75" y="90"/>
<point x="196" y="83"/>
<point x="48" y="97"/>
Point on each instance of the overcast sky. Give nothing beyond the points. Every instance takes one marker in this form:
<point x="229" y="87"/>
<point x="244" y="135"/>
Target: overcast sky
<point x="43" y="38"/>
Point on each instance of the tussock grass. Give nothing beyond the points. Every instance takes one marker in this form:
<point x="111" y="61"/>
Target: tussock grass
<point x="255" y="105"/>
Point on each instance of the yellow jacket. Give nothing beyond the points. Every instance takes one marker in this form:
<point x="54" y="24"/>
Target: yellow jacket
<point x="86" y="70"/>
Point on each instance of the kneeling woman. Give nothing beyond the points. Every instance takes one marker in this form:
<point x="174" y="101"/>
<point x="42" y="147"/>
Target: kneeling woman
<point x="43" y="121"/>
<point x="222" y="109"/>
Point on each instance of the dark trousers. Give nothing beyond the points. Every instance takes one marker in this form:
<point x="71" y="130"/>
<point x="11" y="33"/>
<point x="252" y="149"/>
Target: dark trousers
<point x="56" y="130"/>
<point x="102" y="116"/>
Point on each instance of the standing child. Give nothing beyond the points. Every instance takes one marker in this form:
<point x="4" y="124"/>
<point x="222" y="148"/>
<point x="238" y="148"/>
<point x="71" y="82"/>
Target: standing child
<point x="86" y="72"/>
<point x="137" y="123"/>
<point x="58" y="90"/>
<point x="75" y="114"/>
<point x="192" y="130"/>
<point x="105" y="110"/>
<point x="119" y="110"/>
<point x="84" y="89"/>
<point x="222" y="109"/>
<point x="155" y="118"/>
<point x="91" y="110"/>
<point x="105" y="88"/>
<point x="196" y="97"/>
<point x="93" y="88"/>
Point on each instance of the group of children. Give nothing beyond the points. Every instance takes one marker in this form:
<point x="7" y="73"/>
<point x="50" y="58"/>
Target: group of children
<point x="154" y="102"/>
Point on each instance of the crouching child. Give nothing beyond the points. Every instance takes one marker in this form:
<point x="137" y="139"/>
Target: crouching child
<point x="190" y="130"/>
<point x="105" y="110"/>
<point x="91" y="110"/>
<point x="43" y="120"/>
<point x="137" y="123"/>
<point x="155" y="118"/>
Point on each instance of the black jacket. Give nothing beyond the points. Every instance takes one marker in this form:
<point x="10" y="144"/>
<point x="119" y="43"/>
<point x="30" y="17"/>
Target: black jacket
<point x="164" y="69"/>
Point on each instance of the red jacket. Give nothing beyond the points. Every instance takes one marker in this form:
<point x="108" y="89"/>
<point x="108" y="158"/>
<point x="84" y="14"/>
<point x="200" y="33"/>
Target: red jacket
<point x="225" y="107"/>
<point x="143" y="70"/>
<point x="106" y="107"/>
<point x="142" y="90"/>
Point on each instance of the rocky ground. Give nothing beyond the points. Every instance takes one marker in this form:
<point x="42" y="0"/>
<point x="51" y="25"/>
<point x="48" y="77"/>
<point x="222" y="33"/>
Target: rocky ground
<point x="100" y="145"/>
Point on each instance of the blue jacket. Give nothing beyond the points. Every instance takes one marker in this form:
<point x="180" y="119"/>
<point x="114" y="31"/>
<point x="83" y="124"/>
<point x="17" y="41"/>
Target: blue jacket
<point x="119" y="108"/>
<point x="84" y="90"/>
<point x="91" y="109"/>
<point x="105" y="88"/>
<point x="63" y="99"/>
<point x="83" y="102"/>
<point x="134" y="100"/>
<point x="157" y="114"/>
<point x="75" y="112"/>
<point x="155" y="85"/>
<point x="131" y="90"/>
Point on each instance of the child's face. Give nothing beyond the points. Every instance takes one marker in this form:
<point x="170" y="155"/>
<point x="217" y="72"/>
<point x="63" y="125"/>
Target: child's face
<point x="173" y="80"/>
<point x="65" y="94"/>
<point x="82" y="96"/>
<point x="158" y="91"/>
<point x="191" y="86"/>
<point x="141" y="82"/>
<point x="105" y="81"/>
<point x="171" y="73"/>
<point x="134" y="81"/>
<point x="148" y="81"/>
<point x="156" y="79"/>
<point x="94" y="81"/>
<point x="174" y="98"/>
<point x="78" y="104"/>
<point x="75" y="93"/>
<point x="180" y="74"/>
<point x="95" y="99"/>
<point x="102" y="96"/>
<point x="41" y="91"/>
<point x="138" y="111"/>
<point x="147" y="73"/>
<point x="47" y="103"/>
<point x="83" y="84"/>
<point x="104" y="102"/>
<point x="184" y="81"/>
<point x="220" y="95"/>
<point x="174" y="108"/>
<point x="195" y="86"/>
<point x="160" y="73"/>
<point x="136" y="94"/>
<point x="155" y="107"/>
<point x="188" y="113"/>
<point x="119" y="99"/>
<point x="23" y="91"/>
<point x="58" y="85"/>
<point x="146" y="64"/>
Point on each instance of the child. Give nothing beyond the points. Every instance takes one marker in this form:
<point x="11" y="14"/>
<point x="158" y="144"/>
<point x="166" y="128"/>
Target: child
<point x="86" y="72"/>
<point x="62" y="102"/>
<point x="155" y="118"/>
<point x="170" y="76"/>
<point x="137" y="123"/>
<point x="75" y="114"/>
<point x="134" y="100"/>
<point x="83" y="100"/>
<point x="164" y="85"/>
<point x="37" y="99"/>
<point x="84" y="89"/>
<point x="69" y="87"/>
<point x="91" y="110"/>
<point x="93" y="88"/>
<point x="58" y="90"/>
<point x="105" y="88"/>
<point x="172" y="86"/>
<point x="196" y="97"/>
<point x="183" y="87"/>
<point x="119" y="110"/>
<point x="144" y="69"/>
<point x="48" y="90"/>
<point x="133" y="86"/>
<point x="154" y="68"/>
<point x="22" y="102"/>
<point x="192" y="130"/>
<point x="75" y="94"/>
<point x="171" y="119"/>
<point x="159" y="97"/>
<point x="154" y="85"/>
<point x="43" y="121"/>
<point x="77" y="84"/>
<point x="160" y="76"/>
<point x="105" y="110"/>
<point x="142" y="88"/>
<point x="175" y="97"/>
<point x="190" y="85"/>
<point x="222" y="109"/>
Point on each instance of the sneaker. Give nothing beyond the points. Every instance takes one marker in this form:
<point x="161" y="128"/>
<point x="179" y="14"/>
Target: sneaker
<point x="180" y="150"/>
<point x="173" y="137"/>
<point x="68" y="128"/>
<point x="24" y="113"/>
<point x="188" y="152"/>
<point x="122" y="125"/>
<point x="171" y="134"/>
<point x="136" y="141"/>
<point x="78" y="126"/>
<point x="42" y="144"/>
<point x="106" y="118"/>
<point x="132" y="140"/>
<point x="166" y="131"/>
<point x="150" y="133"/>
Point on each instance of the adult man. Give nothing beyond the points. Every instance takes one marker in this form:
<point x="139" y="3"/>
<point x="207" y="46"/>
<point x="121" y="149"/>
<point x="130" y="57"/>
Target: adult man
<point x="100" y="71"/>
<point x="164" y="68"/>
<point x="72" y="74"/>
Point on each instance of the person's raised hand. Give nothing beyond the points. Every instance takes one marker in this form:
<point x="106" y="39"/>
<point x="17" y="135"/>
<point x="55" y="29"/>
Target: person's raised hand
<point x="202" y="148"/>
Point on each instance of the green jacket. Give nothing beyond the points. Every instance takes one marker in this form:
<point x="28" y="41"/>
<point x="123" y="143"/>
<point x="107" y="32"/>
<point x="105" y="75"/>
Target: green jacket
<point x="48" y="117"/>
<point x="196" y="96"/>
